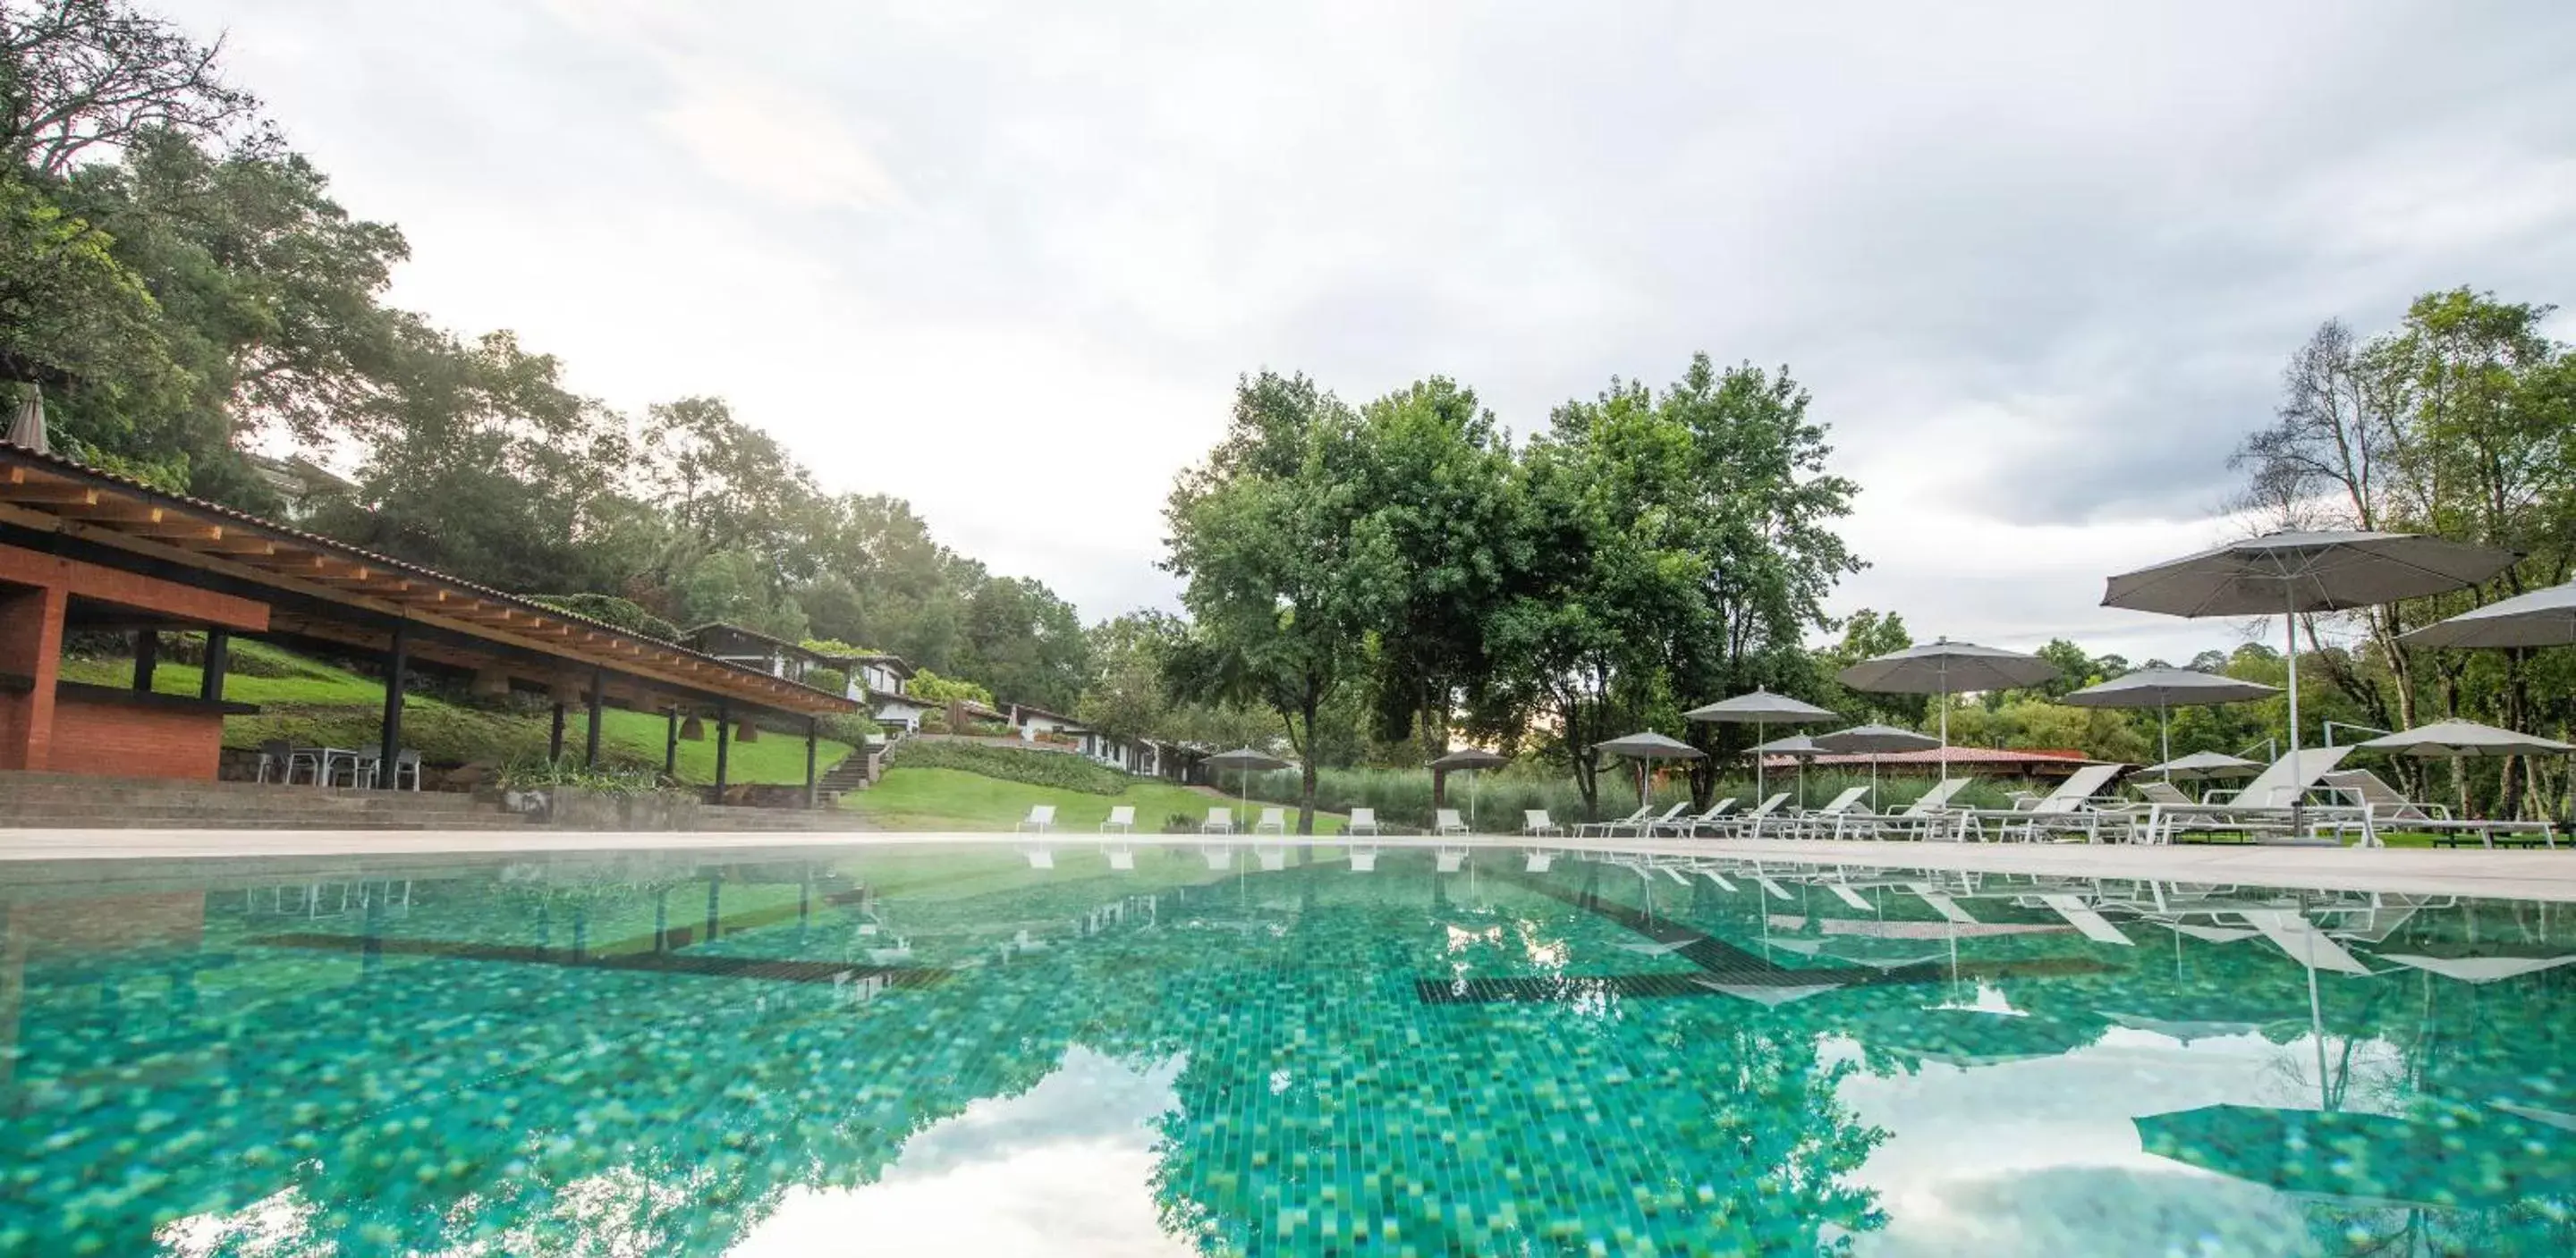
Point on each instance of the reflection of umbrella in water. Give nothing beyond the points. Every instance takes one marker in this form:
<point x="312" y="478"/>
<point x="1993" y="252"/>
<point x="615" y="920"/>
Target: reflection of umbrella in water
<point x="1248" y="762"/>
<point x="1760" y="709"/>
<point x="2185" y="1030"/>
<point x="2163" y="689"/>
<point x="1474" y="760"/>
<point x="1875" y="741"/>
<point x="2466" y="1157"/>
<point x="2478" y="969"/>
<point x="1646" y="747"/>
<point x="1768" y="996"/>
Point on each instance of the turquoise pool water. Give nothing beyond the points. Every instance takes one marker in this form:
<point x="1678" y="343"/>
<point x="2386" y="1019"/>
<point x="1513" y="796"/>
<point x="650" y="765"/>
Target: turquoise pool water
<point x="953" y="1051"/>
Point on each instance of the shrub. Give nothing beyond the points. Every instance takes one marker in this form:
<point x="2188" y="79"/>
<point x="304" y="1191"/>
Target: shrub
<point x="853" y="728"/>
<point x="1051" y="769"/>
<point x="825" y="678"/>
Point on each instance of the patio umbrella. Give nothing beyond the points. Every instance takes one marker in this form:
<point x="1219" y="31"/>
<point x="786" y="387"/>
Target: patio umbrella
<point x="1874" y="741"/>
<point x="1945" y="668"/>
<point x="2161" y="689"/>
<point x="2287" y="573"/>
<point x="1646" y="747"/>
<point x="27" y="427"/>
<point x="1249" y="762"/>
<point x="2467" y="1157"/>
<point x="2206" y="764"/>
<point x="1796" y="746"/>
<point x="2540" y="618"/>
<point x="1474" y="760"/>
<point x="2445" y="739"/>
<point x="1759" y="709"/>
<point x="2478" y="969"/>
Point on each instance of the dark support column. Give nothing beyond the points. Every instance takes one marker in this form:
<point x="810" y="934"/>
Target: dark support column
<point x="813" y="730"/>
<point x="147" y="658"/>
<point x="590" y="739"/>
<point x="219" y="660"/>
<point x="554" y="741"/>
<point x="397" y="675"/>
<point x="671" y="746"/>
<point x="724" y="745"/>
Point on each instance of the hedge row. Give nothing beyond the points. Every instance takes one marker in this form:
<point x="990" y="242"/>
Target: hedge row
<point x="1053" y="769"/>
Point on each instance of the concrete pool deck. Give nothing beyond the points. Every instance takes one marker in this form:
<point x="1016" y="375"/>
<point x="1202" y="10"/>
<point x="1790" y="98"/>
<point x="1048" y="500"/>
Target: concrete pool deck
<point x="2523" y="875"/>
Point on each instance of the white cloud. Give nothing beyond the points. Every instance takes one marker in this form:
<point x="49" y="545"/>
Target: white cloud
<point x="2039" y="265"/>
<point x="774" y="142"/>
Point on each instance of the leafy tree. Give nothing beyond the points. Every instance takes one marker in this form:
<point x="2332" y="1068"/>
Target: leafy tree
<point x="90" y="77"/>
<point x="1124" y="695"/>
<point x="931" y="687"/>
<point x="1286" y="576"/>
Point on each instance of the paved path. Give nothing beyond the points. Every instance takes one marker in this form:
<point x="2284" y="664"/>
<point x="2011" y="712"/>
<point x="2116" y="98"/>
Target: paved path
<point x="2533" y="875"/>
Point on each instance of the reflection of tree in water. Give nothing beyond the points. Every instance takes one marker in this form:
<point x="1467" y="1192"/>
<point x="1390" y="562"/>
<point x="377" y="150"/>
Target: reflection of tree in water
<point x="1324" y="1099"/>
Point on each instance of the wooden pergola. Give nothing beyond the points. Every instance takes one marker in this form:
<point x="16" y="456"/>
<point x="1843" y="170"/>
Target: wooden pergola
<point x="323" y="594"/>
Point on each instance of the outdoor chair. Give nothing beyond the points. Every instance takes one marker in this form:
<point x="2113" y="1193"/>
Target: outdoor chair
<point x="1918" y="820"/>
<point x="1812" y="822"/>
<point x="1273" y="821"/>
<point x="1587" y="829"/>
<point x="1041" y="819"/>
<point x="2389" y="809"/>
<point x="1447" y="821"/>
<point x="2269" y="809"/>
<point x="1683" y="827"/>
<point x="2067" y="809"/>
<point x="1219" y="821"/>
<point x="1746" y="824"/>
<point x="1363" y="821"/>
<point x="1121" y="818"/>
<point x="1536" y="821"/>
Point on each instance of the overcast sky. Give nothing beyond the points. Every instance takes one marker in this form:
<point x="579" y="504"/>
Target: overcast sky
<point x="2040" y="264"/>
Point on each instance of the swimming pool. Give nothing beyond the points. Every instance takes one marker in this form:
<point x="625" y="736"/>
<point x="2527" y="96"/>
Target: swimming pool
<point x="1266" y="1051"/>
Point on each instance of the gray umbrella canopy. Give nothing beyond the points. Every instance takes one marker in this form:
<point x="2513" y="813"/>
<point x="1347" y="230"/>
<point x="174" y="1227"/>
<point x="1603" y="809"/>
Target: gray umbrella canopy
<point x="2287" y="573"/>
<point x="1649" y="745"/>
<point x="1760" y="709"/>
<point x="2164" y="688"/>
<point x="1874" y="740"/>
<point x="2540" y="618"/>
<point x="1947" y="668"/>
<point x="27" y="427"/>
<point x="1798" y="745"/>
<point x="2205" y="764"/>
<point x="2466" y="738"/>
<point x="1470" y="760"/>
<point x="2168" y="687"/>
<point x="1245" y="758"/>
<point x="2305" y="572"/>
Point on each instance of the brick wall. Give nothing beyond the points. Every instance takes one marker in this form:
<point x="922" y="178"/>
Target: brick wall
<point x="116" y="740"/>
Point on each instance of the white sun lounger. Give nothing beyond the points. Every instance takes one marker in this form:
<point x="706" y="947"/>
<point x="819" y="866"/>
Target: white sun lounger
<point x="1041" y="819"/>
<point x="2389" y="809"/>
<point x="1536" y="821"/>
<point x="1447" y="821"/>
<point x="2264" y="809"/>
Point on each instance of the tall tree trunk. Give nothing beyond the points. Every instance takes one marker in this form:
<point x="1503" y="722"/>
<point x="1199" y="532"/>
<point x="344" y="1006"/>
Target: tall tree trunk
<point x="1306" y="787"/>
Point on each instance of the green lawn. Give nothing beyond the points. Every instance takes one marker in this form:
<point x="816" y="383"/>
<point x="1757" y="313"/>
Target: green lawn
<point x="953" y="799"/>
<point x="307" y="702"/>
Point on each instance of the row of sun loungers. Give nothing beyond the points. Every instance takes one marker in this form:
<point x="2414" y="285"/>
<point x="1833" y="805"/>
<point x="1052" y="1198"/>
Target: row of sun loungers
<point x="2303" y="798"/>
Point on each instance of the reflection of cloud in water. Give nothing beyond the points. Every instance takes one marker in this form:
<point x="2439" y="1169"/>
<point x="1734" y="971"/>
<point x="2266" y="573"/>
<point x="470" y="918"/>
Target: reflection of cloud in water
<point x="2023" y="1156"/>
<point x="2097" y="1211"/>
<point x="1062" y="1169"/>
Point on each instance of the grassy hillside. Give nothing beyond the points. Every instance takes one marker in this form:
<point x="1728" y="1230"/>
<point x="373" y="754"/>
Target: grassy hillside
<point x="309" y="702"/>
<point x="953" y="799"/>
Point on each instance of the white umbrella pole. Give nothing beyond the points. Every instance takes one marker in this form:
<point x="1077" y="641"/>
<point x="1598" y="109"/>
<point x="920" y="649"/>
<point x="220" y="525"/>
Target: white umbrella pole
<point x="1945" y="729"/>
<point x="2290" y="621"/>
<point x="2164" y="732"/>
<point x="1472" y="775"/>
